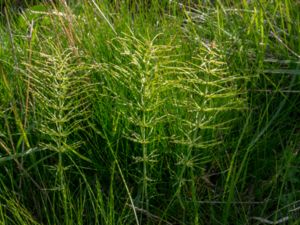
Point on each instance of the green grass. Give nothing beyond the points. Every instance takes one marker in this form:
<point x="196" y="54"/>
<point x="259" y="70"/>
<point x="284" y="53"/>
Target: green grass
<point x="150" y="112"/>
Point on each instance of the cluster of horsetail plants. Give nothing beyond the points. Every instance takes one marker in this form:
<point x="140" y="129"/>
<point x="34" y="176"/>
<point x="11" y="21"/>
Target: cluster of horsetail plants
<point x="149" y="112"/>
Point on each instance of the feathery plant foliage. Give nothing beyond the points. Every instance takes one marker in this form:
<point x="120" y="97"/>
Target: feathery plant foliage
<point x="204" y="106"/>
<point x="149" y="112"/>
<point x="60" y="90"/>
<point x="162" y="101"/>
<point x="137" y="83"/>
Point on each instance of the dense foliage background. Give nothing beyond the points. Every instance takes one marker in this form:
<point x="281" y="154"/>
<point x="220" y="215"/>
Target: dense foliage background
<point x="149" y="112"/>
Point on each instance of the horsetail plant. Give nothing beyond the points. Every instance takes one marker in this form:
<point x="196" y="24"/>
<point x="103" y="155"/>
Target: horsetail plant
<point x="137" y="82"/>
<point x="60" y="91"/>
<point x="205" y="98"/>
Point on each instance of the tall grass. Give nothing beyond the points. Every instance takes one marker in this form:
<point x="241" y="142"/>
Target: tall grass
<point x="149" y="112"/>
